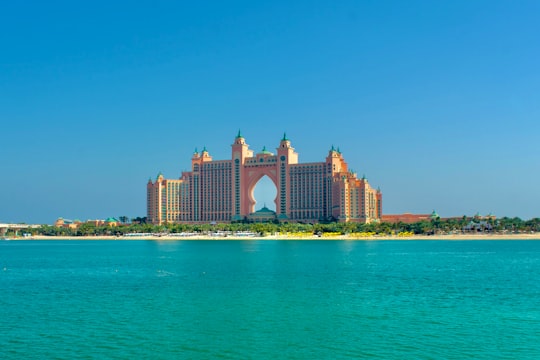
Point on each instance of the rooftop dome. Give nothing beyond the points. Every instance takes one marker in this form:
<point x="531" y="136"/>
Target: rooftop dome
<point x="264" y="209"/>
<point x="265" y="152"/>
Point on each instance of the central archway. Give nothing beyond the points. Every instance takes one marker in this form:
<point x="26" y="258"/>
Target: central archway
<point x="253" y="179"/>
<point x="265" y="194"/>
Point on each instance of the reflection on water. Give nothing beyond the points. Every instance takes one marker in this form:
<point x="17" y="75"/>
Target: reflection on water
<point x="250" y="245"/>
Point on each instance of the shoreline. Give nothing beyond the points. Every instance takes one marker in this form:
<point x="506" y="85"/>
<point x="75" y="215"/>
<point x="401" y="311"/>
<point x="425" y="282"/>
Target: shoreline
<point x="457" y="237"/>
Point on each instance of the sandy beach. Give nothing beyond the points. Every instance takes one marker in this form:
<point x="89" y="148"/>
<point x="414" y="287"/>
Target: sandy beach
<point x="529" y="236"/>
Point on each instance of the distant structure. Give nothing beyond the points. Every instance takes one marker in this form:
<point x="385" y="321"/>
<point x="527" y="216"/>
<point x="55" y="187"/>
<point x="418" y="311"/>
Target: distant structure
<point x="16" y="227"/>
<point x="408" y="218"/>
<point x="222" y="190"/>
<point x="75" y="224"/>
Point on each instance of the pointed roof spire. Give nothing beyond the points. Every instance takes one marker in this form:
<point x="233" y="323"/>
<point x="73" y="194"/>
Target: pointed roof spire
<point x="339" y="152"/>
<point x="332" y="148"/>
<point x="204" y="149"/>
<point x="284" y="137"/>
<point x="239" y="135"/>
<point x="196" y="152"/>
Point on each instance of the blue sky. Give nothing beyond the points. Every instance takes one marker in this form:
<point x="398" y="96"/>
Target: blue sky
<point x="437" y="103"/>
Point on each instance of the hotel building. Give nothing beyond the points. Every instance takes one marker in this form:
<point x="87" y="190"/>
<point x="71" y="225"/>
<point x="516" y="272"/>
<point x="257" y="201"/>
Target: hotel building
<point x="222" y="190"/>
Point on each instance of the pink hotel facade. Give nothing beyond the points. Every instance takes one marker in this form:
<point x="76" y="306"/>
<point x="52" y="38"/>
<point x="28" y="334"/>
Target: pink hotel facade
<point x="222" y="190"/>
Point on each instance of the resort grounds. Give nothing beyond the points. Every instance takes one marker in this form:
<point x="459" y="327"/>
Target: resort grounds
<point x="247" y="237"/>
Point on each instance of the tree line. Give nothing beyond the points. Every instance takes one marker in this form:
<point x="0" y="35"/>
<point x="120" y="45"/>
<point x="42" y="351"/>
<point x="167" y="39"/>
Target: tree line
<point x="425" y="227"/>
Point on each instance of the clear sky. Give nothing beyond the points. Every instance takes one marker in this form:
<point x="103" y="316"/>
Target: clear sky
<point x="436" y="102"/>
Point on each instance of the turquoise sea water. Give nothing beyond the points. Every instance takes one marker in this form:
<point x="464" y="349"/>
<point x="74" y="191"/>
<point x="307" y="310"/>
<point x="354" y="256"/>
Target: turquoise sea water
<point x="270" y="299"/>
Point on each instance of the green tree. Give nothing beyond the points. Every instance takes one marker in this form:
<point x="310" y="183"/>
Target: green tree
<point x="86" y="229"/>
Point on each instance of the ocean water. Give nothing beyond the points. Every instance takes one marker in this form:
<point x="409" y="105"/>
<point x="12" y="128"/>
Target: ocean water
<point x="270" y="299"/>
